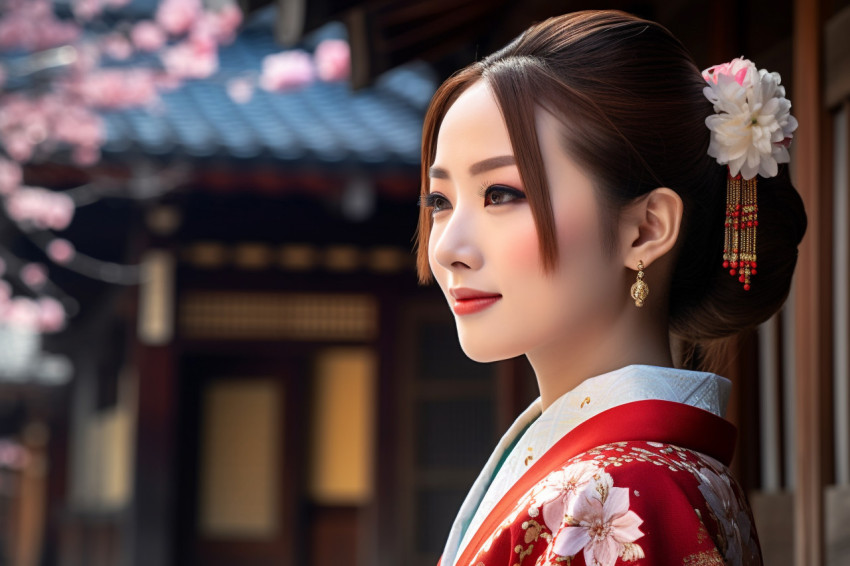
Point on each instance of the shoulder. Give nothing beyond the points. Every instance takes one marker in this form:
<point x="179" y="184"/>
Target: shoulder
<point x="641" y="502"/>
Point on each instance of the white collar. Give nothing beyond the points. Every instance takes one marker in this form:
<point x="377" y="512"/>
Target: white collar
<point x="542" y="429"/>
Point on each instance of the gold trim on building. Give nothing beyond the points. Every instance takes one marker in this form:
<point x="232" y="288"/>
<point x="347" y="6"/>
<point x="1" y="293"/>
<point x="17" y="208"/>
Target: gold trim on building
<point x="240" y="315"/>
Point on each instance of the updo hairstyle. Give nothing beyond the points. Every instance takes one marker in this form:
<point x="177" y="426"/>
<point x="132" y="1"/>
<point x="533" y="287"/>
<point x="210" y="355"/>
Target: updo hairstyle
<point x="629" y="98"/>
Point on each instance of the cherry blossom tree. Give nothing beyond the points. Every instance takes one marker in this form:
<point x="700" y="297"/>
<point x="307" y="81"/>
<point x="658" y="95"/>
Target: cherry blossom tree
<point x="64" y="63"/>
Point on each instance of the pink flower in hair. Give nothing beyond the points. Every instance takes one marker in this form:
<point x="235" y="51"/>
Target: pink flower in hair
<point x="752" y="124"/>
<point x="740" y="69"/>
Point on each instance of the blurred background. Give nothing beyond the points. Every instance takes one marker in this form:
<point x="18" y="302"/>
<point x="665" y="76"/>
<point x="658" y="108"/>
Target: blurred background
<point x="213" y="348"/>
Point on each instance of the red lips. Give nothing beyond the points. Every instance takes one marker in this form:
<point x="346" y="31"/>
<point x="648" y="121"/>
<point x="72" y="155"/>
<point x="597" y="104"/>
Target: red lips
<point x="469" y="301"/>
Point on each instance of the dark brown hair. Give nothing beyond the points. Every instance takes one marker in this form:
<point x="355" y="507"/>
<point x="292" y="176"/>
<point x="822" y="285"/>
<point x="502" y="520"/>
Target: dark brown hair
<point x="630" y="101"/>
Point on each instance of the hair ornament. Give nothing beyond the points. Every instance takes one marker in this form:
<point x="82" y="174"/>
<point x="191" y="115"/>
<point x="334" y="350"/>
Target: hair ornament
<point x="751" y="129"/>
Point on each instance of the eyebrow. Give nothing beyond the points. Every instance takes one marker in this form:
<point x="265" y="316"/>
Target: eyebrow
<point x="476" y="168"/>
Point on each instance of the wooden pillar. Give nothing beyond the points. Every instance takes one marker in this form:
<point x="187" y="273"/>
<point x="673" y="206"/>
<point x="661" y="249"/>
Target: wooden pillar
<point x="151" y="525"/>
<point x="811" y="372"/>
<point x="151" y="528"/>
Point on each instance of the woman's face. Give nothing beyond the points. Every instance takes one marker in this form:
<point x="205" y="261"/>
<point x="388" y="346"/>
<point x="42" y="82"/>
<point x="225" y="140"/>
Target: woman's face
<point x="484" y="250"/>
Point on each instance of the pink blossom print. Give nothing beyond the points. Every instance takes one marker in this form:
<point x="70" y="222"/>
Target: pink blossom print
<point x="599" y="523"/>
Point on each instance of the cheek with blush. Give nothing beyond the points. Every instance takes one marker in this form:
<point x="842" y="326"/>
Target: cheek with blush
<point x="578" y="231"/>
<point x="522" y="250"/>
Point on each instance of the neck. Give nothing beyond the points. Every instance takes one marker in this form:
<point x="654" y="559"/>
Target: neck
<point x="562" y="365"/>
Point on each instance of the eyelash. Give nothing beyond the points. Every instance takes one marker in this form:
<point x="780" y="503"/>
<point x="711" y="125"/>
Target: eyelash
<point x="488" y="190"/>
<point x="431" y="200"/>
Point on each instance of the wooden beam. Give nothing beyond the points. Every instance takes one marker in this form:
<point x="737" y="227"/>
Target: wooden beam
<point x="809" y="371"/>
<point x="150" y="530"/>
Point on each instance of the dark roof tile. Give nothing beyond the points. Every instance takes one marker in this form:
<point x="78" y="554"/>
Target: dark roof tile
<point x="323" y="122"/>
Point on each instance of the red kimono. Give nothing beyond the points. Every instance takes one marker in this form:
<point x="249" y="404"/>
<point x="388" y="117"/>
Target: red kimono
<point x="645" y="483"/>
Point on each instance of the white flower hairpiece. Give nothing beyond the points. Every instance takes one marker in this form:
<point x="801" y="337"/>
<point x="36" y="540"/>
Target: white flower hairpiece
<point x="752" y="125"/>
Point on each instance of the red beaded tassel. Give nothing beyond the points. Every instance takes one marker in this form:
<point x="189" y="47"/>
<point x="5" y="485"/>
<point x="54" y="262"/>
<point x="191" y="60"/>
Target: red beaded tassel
<point x="739" y="249"/>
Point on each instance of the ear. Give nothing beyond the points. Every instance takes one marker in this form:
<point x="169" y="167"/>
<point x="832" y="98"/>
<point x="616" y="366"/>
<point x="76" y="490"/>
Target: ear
<point x="649" y="227"/>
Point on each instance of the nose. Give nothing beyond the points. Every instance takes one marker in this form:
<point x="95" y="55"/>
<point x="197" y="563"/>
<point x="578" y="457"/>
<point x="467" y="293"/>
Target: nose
<point x="454" y="246"/>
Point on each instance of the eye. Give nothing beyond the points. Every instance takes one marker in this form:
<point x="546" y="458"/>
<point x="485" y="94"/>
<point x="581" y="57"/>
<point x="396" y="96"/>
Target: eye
<point x="501" y="194"/>
<point x="436" y="202"/>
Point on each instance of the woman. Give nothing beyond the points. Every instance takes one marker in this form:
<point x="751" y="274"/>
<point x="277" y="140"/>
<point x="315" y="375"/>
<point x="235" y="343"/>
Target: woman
<point x="562" y="177"/>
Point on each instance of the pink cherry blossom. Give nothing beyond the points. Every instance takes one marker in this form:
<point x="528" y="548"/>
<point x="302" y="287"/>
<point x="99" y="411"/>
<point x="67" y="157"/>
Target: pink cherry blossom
<point x="61" y="250"/>
<point x="5" y="291"/>
<point x="240" y="90"/>
<point x="87" y="58"/>
<point x="184" y="61"/>
<point x="60" y="211"/>
<point x="560" y="488"/>
<point x="117" y="46"/>
<point x="18" y="146"/>
<point x="32" y="25"/>
<point x="85" y="156"/>
<point x="27" y="123"/>
<point x="40" y="208"/>
<point x="87" y="10"/>
<point x="220" y="26"/>
<point x="333" y="60"/>
<point x="229" y="18"/>
<point x="148" y="36"/>
<point x="116" y="88"/>
<point x="51" y="315"/>
<point x="287" y="70"/>
<point x="34" y="275"/>
<point x="78" y="126"/>
<point x="22" y="312"/>
<point x="2" y="77"/>
<point x="600" y="523"/>
<point x="11" y="176"/>
<point x="178" y="16"/>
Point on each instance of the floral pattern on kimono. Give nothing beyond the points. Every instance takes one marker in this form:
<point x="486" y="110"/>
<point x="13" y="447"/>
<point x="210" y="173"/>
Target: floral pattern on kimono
<point x="635" y="503"/>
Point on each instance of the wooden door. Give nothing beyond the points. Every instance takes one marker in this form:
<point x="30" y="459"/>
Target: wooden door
<point x="241" y="462"/>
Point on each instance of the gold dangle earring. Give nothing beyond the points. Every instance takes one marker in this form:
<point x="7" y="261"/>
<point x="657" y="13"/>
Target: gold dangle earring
<point x="640" y="290"/>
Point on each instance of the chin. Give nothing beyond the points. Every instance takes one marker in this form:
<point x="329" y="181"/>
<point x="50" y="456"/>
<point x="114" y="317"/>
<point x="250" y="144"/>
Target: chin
<point x="486" y="351"/>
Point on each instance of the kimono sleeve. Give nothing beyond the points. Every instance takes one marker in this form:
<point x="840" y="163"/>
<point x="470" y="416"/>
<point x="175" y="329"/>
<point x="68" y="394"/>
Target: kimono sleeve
<point x="652" y="511"/>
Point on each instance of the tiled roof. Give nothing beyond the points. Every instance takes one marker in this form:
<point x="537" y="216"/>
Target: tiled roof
<point x="326" y="123"/>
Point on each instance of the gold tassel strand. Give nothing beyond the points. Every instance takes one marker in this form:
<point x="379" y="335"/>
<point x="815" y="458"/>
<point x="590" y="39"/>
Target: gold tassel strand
<point x="732" y="225"/>
<point x="749" y="222"/>
<point x="739" y="248"/>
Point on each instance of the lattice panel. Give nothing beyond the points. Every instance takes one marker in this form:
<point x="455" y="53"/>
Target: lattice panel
<point x="229" y="315"/>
